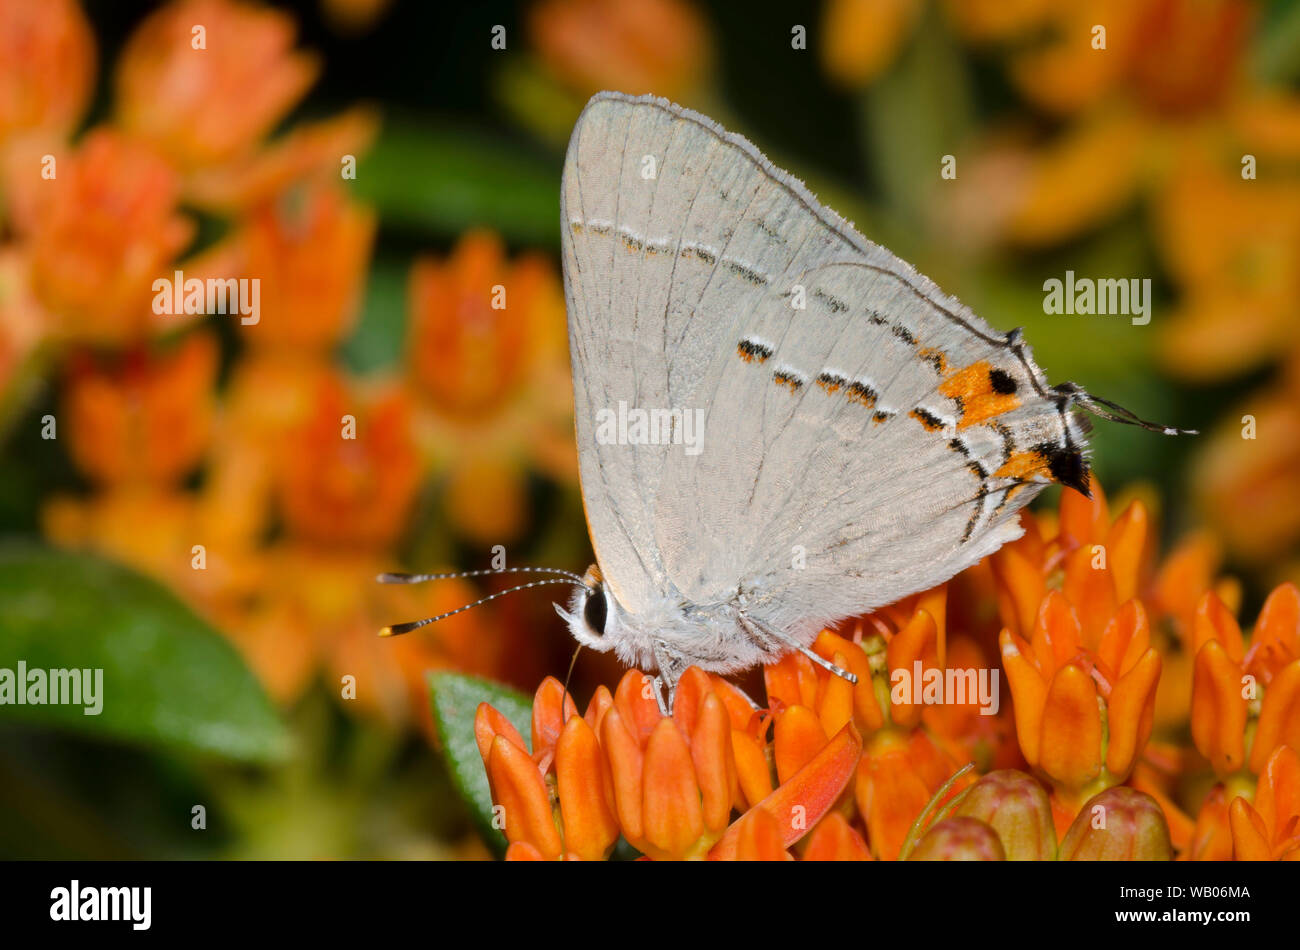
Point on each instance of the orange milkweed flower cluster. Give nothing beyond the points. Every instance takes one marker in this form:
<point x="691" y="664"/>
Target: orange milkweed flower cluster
<point x="1080" y="612"/>
<point x="260" y="479"/>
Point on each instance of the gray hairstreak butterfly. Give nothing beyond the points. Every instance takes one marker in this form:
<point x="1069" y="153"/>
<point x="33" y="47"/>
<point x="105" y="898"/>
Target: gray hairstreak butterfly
<point x="780" y="424"/>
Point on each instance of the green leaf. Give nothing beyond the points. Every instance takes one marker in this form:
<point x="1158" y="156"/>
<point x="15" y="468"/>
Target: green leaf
<point x="455" y="699"/>
<point x="377" y="342"/>
<point x="916" y="113"/>
<point x="168" y="678"/>
<point x="441" y="180"/>
<point x="1277" y="45"/>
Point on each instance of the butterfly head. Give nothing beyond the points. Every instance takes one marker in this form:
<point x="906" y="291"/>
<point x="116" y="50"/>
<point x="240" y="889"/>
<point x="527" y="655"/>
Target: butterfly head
<point x="593" y="615"/>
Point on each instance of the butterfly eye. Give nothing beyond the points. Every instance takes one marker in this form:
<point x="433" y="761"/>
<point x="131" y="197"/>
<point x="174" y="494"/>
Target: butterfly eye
<point x="595" y="611"/>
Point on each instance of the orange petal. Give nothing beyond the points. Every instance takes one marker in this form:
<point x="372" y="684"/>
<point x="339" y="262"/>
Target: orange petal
<point x="1127" y="637"/>
<point x="1023" y="581"/>
<point x="890" y="794"/>
<point x="1277" y="631"/>
<point x="488" y="724"/>
<point x="692" y="687"/>
<point x="792" y="680"/>
<point x="1029" y="692"/>
<point x="1057" y="634"/>
<point x="1091" y="589"/>
<point x="1126" y="545"/>
<point x="834" y="839"/>
<point x="796" y="740"/>
<point x="1218" y="709"/>
<point x="635" y="699"/>
<point x="1277" y="798"/>
<point x="523" y="851"/>
<point x="1070" y="748"/>
<point x="835" y="698"/>
<point x="1212" y="838"/>
<point x="739" y="708"/>
<point x="623" y="753"/>
<point x="715" y="763"/>
<point x="1084" y="520"/>
<point x="1213" y="621"/>
<point x="586" y="792"/>
<point x="552" y="707"/>
<point x="866" y="709"/>
<point x="601" y="701"/>
<point x="752" y="769"/>
<point x="760" y="838"/>
<point x="800" y="803"/>
<point x="1249" y="834"/>
<point x="1279" y="718"/>
<point x="918" y="642"/>
<point x="518" y="788"/>
<point x="672" y="816"/>
<point x="1129" y="713"/>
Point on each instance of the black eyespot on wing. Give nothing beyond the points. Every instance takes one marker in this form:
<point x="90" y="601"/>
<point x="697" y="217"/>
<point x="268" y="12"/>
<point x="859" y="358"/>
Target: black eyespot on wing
<point x="1003" y="383"/>
<point x="1067" y="465"/>
<point x="595" y="612"/>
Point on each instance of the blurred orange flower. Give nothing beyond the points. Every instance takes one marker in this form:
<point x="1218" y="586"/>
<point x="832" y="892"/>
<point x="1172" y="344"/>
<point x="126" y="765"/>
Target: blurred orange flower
<point x="310" y="249"/>
<point x="306" y="612"/>
<point x="144" y="417"/>
<point x="204" y="80"/>
<point x="634" y="46"/>
<point x="107" y="228"/>
<point x="22" y="321"/>
<point x="48" y="54"/>
<point x="1247" y="476"/>
<point x="348" y="475"/>
<point x="487" y="342"/>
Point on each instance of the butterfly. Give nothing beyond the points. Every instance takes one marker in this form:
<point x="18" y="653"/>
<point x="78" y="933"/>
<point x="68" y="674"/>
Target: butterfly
<point x="780" y="424"/>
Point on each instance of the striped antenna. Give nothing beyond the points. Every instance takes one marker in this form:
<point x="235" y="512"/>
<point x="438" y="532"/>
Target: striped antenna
<point x="397" y="629"/>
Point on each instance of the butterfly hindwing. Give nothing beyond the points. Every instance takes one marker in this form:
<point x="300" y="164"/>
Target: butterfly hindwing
<point x="865" y="436"/>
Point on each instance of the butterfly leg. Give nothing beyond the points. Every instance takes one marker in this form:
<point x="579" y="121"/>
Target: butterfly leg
<point x="671" y="667"/>
<point x="759" y="630"/>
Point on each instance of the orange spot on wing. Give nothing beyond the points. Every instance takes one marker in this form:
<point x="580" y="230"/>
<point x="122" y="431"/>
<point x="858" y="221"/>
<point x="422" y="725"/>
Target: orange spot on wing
<point x="1024" y="465"/>
<point x="973" y="390"/>
<point x="985" y="407"/>
<point x="935" y="356"/>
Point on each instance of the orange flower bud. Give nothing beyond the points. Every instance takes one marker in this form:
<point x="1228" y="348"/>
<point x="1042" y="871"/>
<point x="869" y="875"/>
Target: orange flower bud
<point x="1015" y="806"/>
<point x="1119" y="824"/>
<point x="959" y="839"/>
